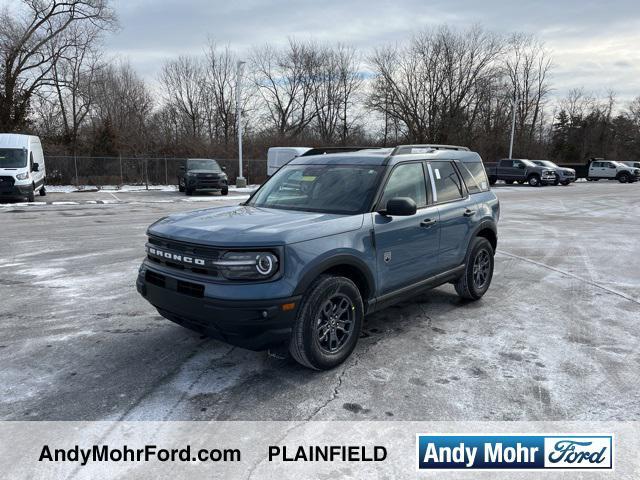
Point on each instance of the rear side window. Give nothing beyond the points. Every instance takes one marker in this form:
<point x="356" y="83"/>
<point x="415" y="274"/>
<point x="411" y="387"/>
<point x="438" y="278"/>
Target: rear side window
<point x="474" y="177"/>
<point x="446" y="181"/>
<point x="406" y="180"/>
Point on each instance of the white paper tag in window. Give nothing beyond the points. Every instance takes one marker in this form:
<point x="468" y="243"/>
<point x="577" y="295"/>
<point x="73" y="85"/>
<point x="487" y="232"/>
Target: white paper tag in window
<point x="483" y="185"/>
<point x="437" y="173"/>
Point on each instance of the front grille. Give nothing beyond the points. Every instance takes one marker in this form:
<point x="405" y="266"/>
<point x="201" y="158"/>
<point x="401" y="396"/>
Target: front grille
<point x="6" y="182"/>
<point x="185" y="249"/>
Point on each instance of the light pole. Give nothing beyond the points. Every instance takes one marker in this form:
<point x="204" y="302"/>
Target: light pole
<point x="241" y="182"/>
<point x="513" y="124"/>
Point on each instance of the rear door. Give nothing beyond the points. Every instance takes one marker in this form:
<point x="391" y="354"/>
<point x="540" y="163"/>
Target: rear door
<point x="457" y="212"/>
<point x="406" y="247"/>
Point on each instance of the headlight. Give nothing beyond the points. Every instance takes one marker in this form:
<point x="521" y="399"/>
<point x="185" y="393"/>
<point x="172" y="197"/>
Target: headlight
<point x="248" y="265"/>
<point x="22" y="176"/>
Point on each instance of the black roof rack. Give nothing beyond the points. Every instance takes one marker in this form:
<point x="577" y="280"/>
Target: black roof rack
<point x="328" y="150"/>
<point x="408" y="149"/>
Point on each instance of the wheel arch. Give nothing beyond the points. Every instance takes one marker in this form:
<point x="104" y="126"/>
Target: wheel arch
<point x="343" y="265"/>
<point x="487" y="229"/>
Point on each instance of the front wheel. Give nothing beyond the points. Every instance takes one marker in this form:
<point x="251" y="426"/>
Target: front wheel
<point x="224" y="191"/>
<point x="534" y="180"/>
<point x="623" y="178"/>
<point x="328" y="323"/>
<point x="478" y="271"/>
<point x="31" y="196"/>
<point x="43" y="192"/>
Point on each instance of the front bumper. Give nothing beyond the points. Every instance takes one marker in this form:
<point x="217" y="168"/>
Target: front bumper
<point x="206" y="184"/>
<point x="251" y="324"/>
<point x="8" y="189"/>
<point x="548" y="179"/>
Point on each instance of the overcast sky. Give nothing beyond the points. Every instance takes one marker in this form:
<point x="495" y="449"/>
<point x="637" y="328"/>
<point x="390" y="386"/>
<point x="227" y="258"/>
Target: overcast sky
<point x="595" y="44"/>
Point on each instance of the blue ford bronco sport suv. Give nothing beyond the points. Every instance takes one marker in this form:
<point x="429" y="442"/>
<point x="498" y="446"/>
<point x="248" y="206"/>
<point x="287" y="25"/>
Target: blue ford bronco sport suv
<point x="325" y="241"/>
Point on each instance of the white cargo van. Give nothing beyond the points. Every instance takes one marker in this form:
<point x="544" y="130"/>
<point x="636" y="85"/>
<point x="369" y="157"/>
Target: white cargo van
<point x="279" y="156"/>
<point x="22" y="171"/>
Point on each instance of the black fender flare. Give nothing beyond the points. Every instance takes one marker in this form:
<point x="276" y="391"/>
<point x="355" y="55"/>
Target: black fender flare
<point x="335" y="261"/>
<point x="485" y="224"/>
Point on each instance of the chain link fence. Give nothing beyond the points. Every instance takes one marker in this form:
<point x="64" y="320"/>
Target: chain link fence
<point x="102" y="171"/>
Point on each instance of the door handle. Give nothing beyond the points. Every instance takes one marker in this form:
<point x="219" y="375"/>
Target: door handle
<point x="427" y="222"/>
<point x="469" y="213"/>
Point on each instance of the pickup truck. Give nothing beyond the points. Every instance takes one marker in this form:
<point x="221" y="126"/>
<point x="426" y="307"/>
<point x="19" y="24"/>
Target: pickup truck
<point x="521" y="171"/>
<point x="612" y="170"/>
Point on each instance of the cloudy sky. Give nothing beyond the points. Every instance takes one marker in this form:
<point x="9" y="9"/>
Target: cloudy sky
<point x="595" y="44"/>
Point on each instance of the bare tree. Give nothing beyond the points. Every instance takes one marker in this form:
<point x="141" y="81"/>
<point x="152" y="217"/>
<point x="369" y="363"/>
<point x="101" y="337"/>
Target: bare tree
<point x="527" y="67"/>
<point x="432" y="86"/>
<point x="74" y="74"/>
<point x="285" y="84"/>
<point x="32" y="42"/>
<point x="183" y="82"/>
<point x="219" y="93"/>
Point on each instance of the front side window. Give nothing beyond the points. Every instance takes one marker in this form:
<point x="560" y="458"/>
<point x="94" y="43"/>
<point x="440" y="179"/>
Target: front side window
<point x="446" y="181"/>
<point x="406" y="181"/>
<point x="13" y="158"/>
<point x="339" y="189"/>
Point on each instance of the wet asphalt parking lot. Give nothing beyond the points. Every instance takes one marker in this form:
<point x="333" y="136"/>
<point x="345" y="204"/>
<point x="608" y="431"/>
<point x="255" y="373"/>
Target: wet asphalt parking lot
<point x="557" y="336"/>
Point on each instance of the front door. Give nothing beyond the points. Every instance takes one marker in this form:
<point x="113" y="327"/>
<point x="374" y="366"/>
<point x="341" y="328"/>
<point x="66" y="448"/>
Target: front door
<point x="406" y="247"/>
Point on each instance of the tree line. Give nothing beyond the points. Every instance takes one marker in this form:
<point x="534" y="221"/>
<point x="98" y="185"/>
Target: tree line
<point x="441" y="85"/>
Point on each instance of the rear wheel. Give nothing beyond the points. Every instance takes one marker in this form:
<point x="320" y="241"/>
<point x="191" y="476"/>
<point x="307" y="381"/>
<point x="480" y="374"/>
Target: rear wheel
<point x="478" y="271"/>
<point x="492" y="180"/>
<point x="43" y="191"/>
<point x="328" y="323"/>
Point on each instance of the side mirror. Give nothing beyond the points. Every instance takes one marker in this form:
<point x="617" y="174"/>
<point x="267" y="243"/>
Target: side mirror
<point x="400" y="206"/>
<point x="35" y="167"/>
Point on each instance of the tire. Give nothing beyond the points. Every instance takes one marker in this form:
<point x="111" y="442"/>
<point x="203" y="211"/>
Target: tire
<point x="624" y="178"/>
<point x="534" y="180"/>
<point x="188" y="191"/>
<point x="492" y="180"/>
<point x="509" y="182"/>
<point x="180" y="188"/>
<point x="327" y="294"/>
<point x="31" y="196"/>
<point x="556" y="182"/>
<point x="473" y="285"/>
<point x="43" y="191"/>
<point x="224" y="191"/>
<point x="566" y="182"/>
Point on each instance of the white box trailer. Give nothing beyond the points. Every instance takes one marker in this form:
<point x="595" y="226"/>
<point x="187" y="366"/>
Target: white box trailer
<point x="279" y="156"/>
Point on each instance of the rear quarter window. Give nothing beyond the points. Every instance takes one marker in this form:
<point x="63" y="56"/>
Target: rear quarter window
<point x="475" y="177"/>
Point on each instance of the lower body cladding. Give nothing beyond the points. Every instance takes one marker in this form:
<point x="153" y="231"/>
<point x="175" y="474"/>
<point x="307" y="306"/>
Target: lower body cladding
<point x="252" y="324"/>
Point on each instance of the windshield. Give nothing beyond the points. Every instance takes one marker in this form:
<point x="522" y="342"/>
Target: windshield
<point x="203" y="164"/>
<point x="618" y="164"/>
<point x="340" y="189"/>
<point x="545" y="163"/>
<point x="528" y="163"/>
<point x="13" y="158"/>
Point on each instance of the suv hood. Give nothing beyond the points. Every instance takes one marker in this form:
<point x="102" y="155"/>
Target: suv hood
<point x="238" y="226"/>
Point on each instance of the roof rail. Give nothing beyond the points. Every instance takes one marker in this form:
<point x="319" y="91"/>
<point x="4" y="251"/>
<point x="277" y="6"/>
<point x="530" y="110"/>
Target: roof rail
<point x="408" y="149"/>
<point x="327" y="150"/>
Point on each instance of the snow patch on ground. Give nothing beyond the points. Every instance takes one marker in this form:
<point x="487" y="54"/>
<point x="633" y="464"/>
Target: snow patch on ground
<point x="132" y="188"/>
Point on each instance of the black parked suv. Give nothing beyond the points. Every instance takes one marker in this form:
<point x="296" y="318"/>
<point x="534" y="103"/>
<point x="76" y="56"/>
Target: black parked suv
<point x="202" y="175"/>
